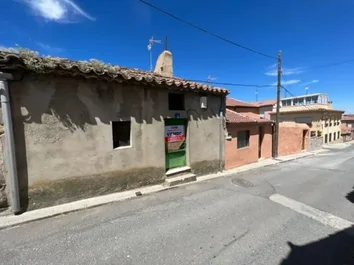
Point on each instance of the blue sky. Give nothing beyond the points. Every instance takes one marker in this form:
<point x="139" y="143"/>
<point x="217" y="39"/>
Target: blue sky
<point x="310" y="33"/>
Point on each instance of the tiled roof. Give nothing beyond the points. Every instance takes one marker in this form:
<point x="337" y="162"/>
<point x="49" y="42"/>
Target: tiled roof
<point x="346" y="128"/>
<point x="235" y="117"/>
<point x="348" y="117"/>
<point x="31" y="61"/>
<point x="231" y="102"/>
<point x="265" y="103"/>
<point x="307" y="110"/>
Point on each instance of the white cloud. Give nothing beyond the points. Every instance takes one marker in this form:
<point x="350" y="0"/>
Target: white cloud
<point x="49" y="48"/>
<point x="309" y="83"/>
<point x="287" y="82"/>
<point x="285" y="71"/>
<point x="57" y="10"/>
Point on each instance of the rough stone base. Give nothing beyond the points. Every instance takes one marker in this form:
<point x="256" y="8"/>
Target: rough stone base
<point x="76" y="188"/>
<point x="206" y="167"/>
<point x="315" y="143"/>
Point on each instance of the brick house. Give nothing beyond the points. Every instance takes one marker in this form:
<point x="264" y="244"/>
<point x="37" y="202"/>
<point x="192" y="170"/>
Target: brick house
<point x="265" y="107"/>
<point x="249" y="137"/>
<point x="83" y="129"/>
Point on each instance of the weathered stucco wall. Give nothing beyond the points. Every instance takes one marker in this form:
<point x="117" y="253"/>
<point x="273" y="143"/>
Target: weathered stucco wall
<point x="291" y="139"/>
<point x="266" y="151"/>
<point x="237" y="157"/>
<point x="63" y="137"/>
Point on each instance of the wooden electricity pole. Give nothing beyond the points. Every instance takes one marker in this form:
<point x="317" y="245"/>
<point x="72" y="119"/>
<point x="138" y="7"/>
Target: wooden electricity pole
<point x="276" y="132"/>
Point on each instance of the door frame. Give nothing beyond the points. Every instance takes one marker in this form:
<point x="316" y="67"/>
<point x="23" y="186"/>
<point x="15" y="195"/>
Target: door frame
<point x="183" y="151"/>
<point x="260" y="141"/>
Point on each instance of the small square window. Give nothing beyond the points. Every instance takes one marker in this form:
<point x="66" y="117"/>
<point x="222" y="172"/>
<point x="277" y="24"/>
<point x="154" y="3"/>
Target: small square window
<point x="319" y="133"/>
<point x="121" y="133"/>
<point x="243" y="139"/>
<point x="175" y="101"/>
<point x="313" y="133"/>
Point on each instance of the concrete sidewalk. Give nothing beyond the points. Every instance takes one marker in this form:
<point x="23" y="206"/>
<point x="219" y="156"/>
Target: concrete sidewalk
<point x="14" y="220"/>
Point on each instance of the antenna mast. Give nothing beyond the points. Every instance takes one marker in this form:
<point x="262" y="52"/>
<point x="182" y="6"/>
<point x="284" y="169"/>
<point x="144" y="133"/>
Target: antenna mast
<point x="151" y="43"/>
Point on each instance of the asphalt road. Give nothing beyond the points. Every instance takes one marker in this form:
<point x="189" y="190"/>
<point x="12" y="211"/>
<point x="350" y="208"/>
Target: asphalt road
<point x="212" y="222"/>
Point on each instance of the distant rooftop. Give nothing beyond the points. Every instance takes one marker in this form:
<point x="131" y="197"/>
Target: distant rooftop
<point x="264" y="103"/>
<point x="231" y="102"/>
<point x="304" y="96"/>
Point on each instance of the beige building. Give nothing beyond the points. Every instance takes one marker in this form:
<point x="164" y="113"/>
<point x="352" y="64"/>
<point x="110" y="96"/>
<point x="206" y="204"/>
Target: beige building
<point x="83" y="129"/>
<point x="324" y="123"/>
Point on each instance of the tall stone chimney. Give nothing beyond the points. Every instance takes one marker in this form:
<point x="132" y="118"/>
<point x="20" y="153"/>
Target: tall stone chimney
<point x="164" y="64"/>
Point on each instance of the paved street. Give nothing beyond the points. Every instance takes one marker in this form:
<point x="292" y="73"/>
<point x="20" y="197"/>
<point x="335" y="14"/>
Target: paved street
<point x="229" y="220"/>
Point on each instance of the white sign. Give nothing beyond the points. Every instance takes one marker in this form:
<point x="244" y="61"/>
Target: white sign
<point x="174" y="133"/>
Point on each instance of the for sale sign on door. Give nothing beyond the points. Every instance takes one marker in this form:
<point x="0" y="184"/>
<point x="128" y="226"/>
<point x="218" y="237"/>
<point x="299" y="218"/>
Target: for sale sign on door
<point x="174" y="133"/>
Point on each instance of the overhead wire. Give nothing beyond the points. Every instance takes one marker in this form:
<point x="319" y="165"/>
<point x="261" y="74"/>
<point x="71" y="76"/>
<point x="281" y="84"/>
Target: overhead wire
<point x="205" y="31"/>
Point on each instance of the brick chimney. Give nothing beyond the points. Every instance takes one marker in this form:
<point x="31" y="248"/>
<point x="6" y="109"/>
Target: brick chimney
<point x="164" y="64"/>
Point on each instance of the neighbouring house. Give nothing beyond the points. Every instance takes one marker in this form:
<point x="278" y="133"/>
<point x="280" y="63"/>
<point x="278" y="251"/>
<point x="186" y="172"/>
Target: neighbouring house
<point x="347" y="133"/>
<point x="243" y="107"/>
<point x="348" y="120"/>
<point x="265" y="107"/>
<point x="348" y="127"/>
<point x="83" y="129"/>
<point x="249" y="137"/>
<point x="316" y="111"/>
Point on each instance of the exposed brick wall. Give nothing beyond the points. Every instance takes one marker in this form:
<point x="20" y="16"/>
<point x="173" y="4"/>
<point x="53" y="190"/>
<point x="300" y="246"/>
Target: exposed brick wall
<point x="267" y="141"/>
<point x="290" y="140"/>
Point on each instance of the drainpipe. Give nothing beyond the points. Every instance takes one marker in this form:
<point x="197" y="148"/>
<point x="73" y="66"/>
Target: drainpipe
<point x="10" y="142"/>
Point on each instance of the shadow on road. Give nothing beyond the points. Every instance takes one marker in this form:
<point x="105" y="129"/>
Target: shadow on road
<point x="350" y="196"/>
<point x="336" y="249"/>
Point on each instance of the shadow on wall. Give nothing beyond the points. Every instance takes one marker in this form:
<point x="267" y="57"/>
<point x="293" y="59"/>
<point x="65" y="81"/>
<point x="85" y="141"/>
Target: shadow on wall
<point x="105" y="101"/>
<point x="350" y="196"/>
<point x="336" y="249"/>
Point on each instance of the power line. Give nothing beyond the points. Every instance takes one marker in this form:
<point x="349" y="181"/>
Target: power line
<point x="206" y="31"/>
<point x="331" y="64"/>
<point x="227" y="84"/>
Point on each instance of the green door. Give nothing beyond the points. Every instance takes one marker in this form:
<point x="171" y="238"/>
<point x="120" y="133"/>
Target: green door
<point x="175" y="143"/>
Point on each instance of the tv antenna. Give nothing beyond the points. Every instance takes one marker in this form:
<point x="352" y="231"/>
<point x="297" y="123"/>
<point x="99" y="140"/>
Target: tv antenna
<point x="152" y="41"/>
<point x="211" y="79"/>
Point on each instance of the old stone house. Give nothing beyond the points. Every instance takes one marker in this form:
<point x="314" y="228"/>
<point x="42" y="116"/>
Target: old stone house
<point x="249" y="137"/>
<point x="83" y="129"/>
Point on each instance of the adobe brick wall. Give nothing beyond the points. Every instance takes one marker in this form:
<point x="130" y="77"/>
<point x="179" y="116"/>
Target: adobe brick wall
<point x="290" y="140"/>
<point x="267" y="141"/>
<point x="237" y="157"/>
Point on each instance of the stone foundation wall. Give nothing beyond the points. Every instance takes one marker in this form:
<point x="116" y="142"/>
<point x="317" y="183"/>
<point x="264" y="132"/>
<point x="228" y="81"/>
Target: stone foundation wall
<point x="3" y="194"/>
<point x="315" y="143"/>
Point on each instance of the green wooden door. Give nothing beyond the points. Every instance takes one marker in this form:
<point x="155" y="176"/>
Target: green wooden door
<point x="175" y="143"/>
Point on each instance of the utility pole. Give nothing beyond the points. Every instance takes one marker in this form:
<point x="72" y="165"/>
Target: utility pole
<point x="276" y="137"/>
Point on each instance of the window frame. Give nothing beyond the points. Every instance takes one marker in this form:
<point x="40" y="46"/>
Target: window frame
<point x="115" y="124"/>
<point x="247" y="139"/>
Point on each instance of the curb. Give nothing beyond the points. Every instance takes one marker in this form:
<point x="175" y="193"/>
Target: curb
<point x="7" y="221"/>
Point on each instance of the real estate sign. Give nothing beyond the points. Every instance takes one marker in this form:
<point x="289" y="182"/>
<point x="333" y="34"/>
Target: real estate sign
<point x="174" y="133"/>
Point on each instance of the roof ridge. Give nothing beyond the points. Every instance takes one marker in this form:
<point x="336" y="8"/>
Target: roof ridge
<point x="32" y="61"/>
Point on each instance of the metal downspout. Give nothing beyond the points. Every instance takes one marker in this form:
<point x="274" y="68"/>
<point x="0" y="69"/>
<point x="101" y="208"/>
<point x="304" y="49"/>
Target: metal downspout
<point x="10" y="143"/>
